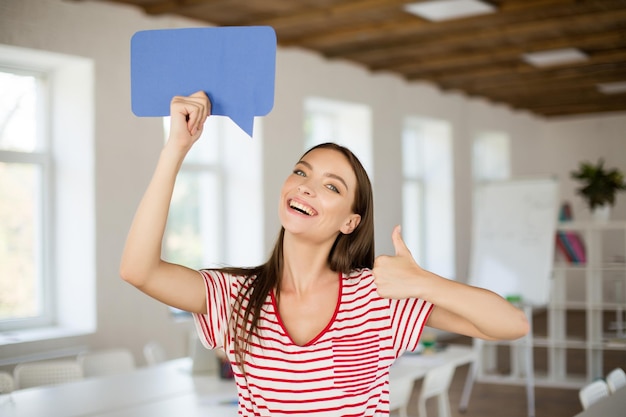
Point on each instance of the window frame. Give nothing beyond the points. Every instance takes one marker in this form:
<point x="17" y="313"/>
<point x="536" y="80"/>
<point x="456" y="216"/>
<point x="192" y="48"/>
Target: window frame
<point x="421" y="128"/>
<point x="42" y="158"/>
<point x="216" y="168"/>
<point x="70" y="214"/>
<point x="350" y="125"/>
<point x="238" y="236"/>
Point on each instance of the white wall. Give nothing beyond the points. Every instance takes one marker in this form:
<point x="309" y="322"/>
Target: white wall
<point x="127" y="147"/>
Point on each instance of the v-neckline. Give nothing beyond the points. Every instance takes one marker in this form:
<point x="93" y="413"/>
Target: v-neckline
<point x="323" y="331"/>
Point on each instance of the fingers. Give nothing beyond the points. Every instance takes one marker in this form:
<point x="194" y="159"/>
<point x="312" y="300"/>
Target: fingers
<point x="198" y="107"/>
<point x="398" y="242"/>
<point x="194" y="108"/>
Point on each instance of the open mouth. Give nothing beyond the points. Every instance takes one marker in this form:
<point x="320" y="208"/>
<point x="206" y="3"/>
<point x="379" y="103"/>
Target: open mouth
<point x="301" y="208"/>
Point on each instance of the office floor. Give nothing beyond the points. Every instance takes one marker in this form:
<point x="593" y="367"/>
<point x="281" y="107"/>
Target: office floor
<point x="502" y="400"/>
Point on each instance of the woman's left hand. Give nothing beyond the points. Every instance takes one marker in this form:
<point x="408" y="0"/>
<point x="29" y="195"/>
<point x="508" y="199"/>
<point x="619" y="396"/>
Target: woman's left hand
<point x="397" y="276"/>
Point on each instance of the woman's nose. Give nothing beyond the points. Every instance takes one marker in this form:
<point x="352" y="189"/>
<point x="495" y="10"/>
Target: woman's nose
<point x="305" y="189"/>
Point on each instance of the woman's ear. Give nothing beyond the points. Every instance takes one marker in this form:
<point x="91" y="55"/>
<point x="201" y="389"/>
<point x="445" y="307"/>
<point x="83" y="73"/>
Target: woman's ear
<point x="351" y="223"/>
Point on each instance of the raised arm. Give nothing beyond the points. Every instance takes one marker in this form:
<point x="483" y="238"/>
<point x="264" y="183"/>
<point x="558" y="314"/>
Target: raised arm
<point x="459" y="308"/>
<point x="141" y="264"/>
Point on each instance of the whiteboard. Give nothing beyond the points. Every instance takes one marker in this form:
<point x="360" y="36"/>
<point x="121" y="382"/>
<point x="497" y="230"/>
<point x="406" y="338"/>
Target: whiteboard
<point x="513" y="237"/>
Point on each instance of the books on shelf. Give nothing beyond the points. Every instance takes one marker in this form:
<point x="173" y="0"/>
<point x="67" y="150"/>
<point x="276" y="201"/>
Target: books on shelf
<point x="569" y="243"/>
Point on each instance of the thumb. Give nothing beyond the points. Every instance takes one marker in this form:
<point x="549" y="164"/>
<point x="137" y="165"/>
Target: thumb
<point x="398" y="243"/>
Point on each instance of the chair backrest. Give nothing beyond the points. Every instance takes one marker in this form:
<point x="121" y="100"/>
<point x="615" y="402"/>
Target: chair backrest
<point x="106" y="362"/>
<point x="32" y="374"/>
<point x="154" y="353"/>
<point x="593" y="392"/>
<point x="437" y="380"/>
<point x="436" y="384"/>
<point x="7" y="384"/>
<point x="616" y="379"/>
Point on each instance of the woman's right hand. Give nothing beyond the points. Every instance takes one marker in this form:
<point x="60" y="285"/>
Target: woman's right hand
<point x="188" y="114"/>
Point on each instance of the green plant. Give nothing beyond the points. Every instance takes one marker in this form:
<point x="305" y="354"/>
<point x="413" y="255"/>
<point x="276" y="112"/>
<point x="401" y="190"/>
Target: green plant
<point x="599" y="184"/>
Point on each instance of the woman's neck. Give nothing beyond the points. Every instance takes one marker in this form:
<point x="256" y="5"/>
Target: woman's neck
<point x="305" y="264"/>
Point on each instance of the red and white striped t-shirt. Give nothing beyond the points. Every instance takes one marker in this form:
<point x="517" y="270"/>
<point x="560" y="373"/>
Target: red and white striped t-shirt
<point x="344" y="371"/>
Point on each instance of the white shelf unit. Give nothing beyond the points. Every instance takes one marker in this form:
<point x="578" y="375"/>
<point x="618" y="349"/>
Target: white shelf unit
<point x="595" y="289"/>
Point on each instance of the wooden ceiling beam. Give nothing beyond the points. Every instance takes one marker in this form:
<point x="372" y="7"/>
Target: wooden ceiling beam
<point x="314" y="16"/>
<point x="410" y="24"/>
<point x="614" y="104"/>
<point x="170" y="6"/>
<point x="352" y="39"/>
<point x="420" y="62"/>
<point x="496" y="73"/>
<point x="349" y="9"/>
<point x="521" y="90"/>
<point x="556" y="95"/>
<point x="516" y="88"/>
<point x="499" y="75"/>
<point x="550" y="94"/>
<point x="487" y="37"/>
<point x="520" y="87"/>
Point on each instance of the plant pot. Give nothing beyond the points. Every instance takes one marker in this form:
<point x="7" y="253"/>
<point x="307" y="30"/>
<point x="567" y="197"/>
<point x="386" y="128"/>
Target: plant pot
<point x="601" y="214"/>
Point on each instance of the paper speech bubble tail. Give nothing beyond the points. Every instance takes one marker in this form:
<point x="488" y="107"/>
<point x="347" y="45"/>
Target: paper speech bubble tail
<point x="244" y="116"/>
<point x="245" y="123"/>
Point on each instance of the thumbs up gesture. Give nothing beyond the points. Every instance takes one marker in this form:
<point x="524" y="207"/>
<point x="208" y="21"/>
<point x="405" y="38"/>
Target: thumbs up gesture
<point x="397" y="276"/>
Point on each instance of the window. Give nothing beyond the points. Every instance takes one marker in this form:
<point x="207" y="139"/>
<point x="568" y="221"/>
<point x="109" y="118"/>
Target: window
<point x="347" y="124"/>
<point x="25" y="163"/>
<point x="427" y="194"/>
<point x="216" y="213"/>
<point x="491" y="156"/>
<point x="47" y="216"/>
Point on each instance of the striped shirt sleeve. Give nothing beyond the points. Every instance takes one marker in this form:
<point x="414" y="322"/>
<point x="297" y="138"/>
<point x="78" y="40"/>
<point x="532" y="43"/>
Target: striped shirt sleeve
<point x="212" y="327"/>
<point x="408" y="318"/>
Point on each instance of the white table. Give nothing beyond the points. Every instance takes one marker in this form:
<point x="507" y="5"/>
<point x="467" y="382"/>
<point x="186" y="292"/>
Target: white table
<point x="411" y="367"/>
<point x="612" y="406"/>
<point x="163" y="390"/>
<point x="170" y="389"/>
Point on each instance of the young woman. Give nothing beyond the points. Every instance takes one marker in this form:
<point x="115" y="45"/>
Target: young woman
<point x="314" y="330"/>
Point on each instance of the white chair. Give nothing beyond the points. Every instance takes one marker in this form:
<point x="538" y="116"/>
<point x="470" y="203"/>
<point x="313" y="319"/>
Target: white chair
<point x="593" y="392"/>
<point x="616" y="379"/>
<point x="32" y="374"/>
<point x="7" y="383"/>
<point x="436" y="384"/>
<point x="154" y="353"/>
<point x="106" y="362"/>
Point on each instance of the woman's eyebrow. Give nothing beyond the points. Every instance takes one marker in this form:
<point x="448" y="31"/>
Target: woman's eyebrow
<point x="329" y="174"/>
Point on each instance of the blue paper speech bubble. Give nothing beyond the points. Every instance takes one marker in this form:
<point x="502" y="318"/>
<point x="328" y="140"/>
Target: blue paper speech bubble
<point x="235" y="66"/>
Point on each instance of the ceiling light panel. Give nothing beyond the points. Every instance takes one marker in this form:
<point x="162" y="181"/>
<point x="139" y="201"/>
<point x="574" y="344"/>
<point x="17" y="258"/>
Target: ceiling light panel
<point x="613" y="88"/>
<point x="440" y="10"/>
<point x="555" y="57"/>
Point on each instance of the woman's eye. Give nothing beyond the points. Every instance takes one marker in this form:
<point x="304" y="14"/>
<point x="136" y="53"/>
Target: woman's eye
<point x="299" y="172"/>
<point x="333" y="188"/>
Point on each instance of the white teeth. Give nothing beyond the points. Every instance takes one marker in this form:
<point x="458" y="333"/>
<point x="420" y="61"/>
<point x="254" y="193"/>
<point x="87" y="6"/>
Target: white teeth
<point x="301" y="207"/>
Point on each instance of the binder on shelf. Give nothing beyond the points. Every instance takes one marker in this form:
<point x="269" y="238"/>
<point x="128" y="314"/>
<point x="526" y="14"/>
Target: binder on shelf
<point x="577" y="245"/>
<point x="571" y="245"/>
<point x="568" y="243"/>
<point x="562" y="249"/>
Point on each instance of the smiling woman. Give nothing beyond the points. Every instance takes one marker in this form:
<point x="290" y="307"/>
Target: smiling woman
<point x="315" y="329"/>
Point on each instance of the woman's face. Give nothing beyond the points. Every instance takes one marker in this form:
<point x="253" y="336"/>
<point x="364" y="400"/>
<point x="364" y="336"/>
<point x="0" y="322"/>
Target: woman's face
<point x="317" y="198"/>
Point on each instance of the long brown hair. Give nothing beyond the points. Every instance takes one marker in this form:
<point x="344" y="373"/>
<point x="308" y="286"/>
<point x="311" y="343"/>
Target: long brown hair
<point x="349" y="252"/>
